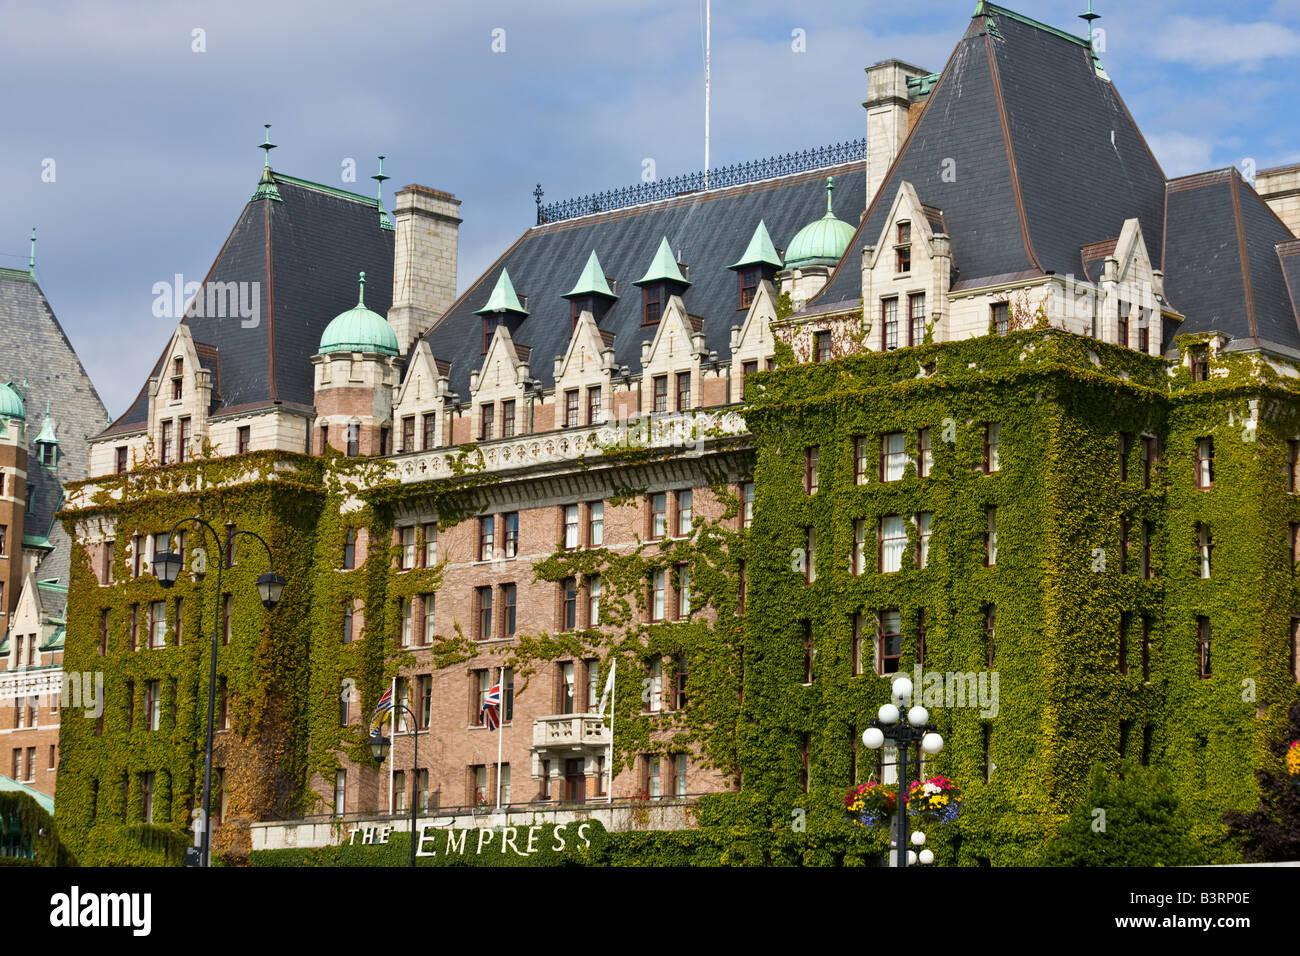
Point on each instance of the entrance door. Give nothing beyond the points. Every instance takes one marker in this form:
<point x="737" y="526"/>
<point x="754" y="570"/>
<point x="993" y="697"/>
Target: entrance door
<point x="575" y="781"/>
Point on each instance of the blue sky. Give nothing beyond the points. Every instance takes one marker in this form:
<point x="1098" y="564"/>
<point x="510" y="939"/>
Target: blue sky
<point x="154" y="144"/>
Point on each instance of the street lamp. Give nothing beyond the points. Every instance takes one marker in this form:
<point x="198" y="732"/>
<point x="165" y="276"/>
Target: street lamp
<point x="889" y="724"/>
<point x="167" y="566"/>
<point x="379" y="745"/>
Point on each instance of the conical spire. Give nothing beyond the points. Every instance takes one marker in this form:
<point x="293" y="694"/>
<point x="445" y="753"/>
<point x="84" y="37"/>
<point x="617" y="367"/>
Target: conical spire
<point x="266" y="188"/>
<point x="592" y="281"/>
<point x="503" y="298"/>
<point x="384" y="221"/>
<point x="47" y="435"/>
<point x="663" y="268"/>
<point x="760" y="250"/>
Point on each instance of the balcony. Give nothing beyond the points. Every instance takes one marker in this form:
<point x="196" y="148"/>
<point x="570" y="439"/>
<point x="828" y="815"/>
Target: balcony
<point x="573" y="733"/>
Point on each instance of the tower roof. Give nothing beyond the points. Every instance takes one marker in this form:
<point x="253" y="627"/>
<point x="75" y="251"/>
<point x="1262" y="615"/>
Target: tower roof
<point x="503" y="297"/>
<point x="760" y="250"/>
<point x="11" y="403"/>
<point x="820" y="243"/>
<point x="663" y="267"/>
<point x="592" y="281"/>
<point x="359" y="330"/>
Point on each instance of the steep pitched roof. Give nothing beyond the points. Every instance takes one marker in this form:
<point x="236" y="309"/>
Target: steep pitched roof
<point x="1224" y="268"/>
<point x="1029" y="153"/>
<point x="711" y="229"/>
<point x="37" y="351"/>
<point x="304" y="252"/>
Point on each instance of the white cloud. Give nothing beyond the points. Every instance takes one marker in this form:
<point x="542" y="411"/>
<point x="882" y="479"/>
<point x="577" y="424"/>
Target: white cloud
<point x="1213" y="41"/>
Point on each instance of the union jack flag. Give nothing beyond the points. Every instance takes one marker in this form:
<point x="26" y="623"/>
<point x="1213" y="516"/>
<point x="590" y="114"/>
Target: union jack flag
<point x="490" y="711"/>
<point x="383" y="707"/>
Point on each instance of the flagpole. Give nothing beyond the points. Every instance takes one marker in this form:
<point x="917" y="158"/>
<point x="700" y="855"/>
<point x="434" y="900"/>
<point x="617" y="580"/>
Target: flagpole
<point x="392" y="757"/>
<point x="613" y="677"/>
<point x="501" y="729"/>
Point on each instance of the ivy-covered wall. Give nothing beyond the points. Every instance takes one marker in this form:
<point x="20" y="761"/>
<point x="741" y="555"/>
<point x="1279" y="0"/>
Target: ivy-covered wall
<point x="1058" y="587"/>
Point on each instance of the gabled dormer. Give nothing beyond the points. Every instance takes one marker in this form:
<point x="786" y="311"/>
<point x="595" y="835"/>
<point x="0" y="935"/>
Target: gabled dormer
<point x="670" y="362"/>
<point x="1132" y="310"/>
<point x="759" y="263"/>
<point x="180" y="399"/>
<point x="420" y="406"/>
<point x="498" y="388"/>
<point x="907" y="275"/>
<point x="504" y="308"/>
<point x="583" y="389"/>
<point x="592" y="292"/>
<point x="752" y="343"/>
<point x="47" y="442"/>
<point x="664" y="279"/>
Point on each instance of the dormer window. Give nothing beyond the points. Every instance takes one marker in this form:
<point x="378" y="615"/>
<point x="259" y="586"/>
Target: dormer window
<point x="652" y="298"/>
<point x="1200" y="356"/>
<point x="903" y="249"/>
<point x="178" y="378"/>
<point x="48" y="453"/>
<point x="749" y="277"/>
<point x="490" y="323"/>
<point x="1124" y="308"/>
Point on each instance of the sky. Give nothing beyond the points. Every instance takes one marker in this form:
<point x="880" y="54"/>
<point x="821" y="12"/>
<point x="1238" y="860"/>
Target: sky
<point x="130" y="129"/>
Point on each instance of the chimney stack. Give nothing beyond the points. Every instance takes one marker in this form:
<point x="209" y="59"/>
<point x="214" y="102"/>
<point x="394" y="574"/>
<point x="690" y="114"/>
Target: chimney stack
<point x="888" y="103"/>
<point x="427" y="223"/>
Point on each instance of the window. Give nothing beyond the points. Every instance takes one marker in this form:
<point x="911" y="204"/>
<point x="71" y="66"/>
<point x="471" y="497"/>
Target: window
<point x="570" y="408"/>
<point x="749" y="277"/>
<point x="486" y="424"/>
<point x="146" y="796"/>
<point x="822" y="346"/>
<point x="596" y="524"/>
<point x="810" y="456"/>
<point x="226" y="608"/>
<point x="571" y="527"/>
<point x="486" y="537"/>
<point x="544" y="790"/>
<point x="183" y="445"/>
<point x="1204" y="545"/>
<point x="567" y="688"/>
<point x="1200" y="359"/>
<point x="490" y="323"/>
<point x="924" y="453"/>
<point x="807" y="653"/>
<point x="992" y="458"/>
<point x="135" y="627"/>
<point x="685" y="500"/>
<point x="858" y="562"/>
<point x="892" y="539"/>
<point x="424" y="699"/>
<point x="569" y="604"/>
<point x="889" y="324"/>
<point x="683" y="591"/>
<point x="810" y="551"/>
<point x="859" y="461"/>
<point x="165" y="444"/>
<point x="153" y="704"/>
<point x="680" y="675"/>
<point x="746" y="504"/>
<point x="503" y="782"/>
<point x="429" y="603"/>
<point x="354" y="440"/>
<point x="507" y="677"/>
<point x="350" y="549"/>
<point x="408" y="433"/>
<point x="650" y="779"/>
<point x="404" y="604"/>
<point x="990" y="634"/>
<point x="1124" y="309"/>
<point x="430" y="545"/>
<point x="594" y="588"/>
<point x="1293" y="469"/>
<point x="660" y="393"/>
<point x="856" y="650"/>
<point x="903" y="248"/>
<point x="991" y="537"/>
<point x="406" y="557"/>
<point x="1203" y="636"/>
<point x="916" y="318"/>
<point x="1001" y="318"/>
<point x="920" y="636"/>
<point x="223" y="709"/>
<point x="157" y="624"/>
<point x="683" y="391"/>
<point x="340" y="790"/>
<point x="658" y="516"/>
<point x="103" y="632"/>
<point x="399" y="790"/>
<point x="1147" y="570"/>
<point x="893" y="456"/>
<point x="1204" y="463"/>
<point x="1123" y="544"/>
<point x="483" y="604"/>
<point x="429" y="425"/>
<point x="923" y="539"/>
<point x="1144" y="329"/>
<point x="593" y="406"/>
<point x="1146" y="648"/>
<point x="1294" y="659"/>
<point x="478" y="683"/>
<point x="1123" y="641"/>
<point x="511" y="524"/>
<point x="889" y="641"/>
<point x="658" y="586"/>
<point x="121" y="460"/>
<point x="652" y="302"/>
<point x="347" y="621"/>
<point x="324" y="439"/>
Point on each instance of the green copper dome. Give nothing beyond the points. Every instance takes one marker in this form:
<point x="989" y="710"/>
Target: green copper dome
<point x="11" y="403"/>
<point x="820" y="243"/>
<point x="359" y="330"/>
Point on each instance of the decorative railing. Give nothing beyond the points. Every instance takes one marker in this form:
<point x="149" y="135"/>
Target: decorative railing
<point x="570" y="730"/>
<point x="736" y="175"/>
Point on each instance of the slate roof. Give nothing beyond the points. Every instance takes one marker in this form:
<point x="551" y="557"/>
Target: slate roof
<point x="1224" y="268"/>
<point x="38" y="351"/>
<point x="304" y="252"/>
<point x="710" y="230"/>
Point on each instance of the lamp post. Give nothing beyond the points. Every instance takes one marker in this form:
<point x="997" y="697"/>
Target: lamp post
<point x="379" y="745"/>
<point x="167" y="566"/>
<point x="902" y="734"/>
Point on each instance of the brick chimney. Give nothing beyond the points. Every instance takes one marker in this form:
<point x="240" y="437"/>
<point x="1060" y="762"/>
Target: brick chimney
<point x="887" y="105"/>
<point x="424" y="260"/>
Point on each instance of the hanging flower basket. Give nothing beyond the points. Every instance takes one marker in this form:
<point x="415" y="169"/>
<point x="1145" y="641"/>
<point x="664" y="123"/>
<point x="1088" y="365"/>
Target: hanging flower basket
<point x="937" y="800"/>
<point x="870" y="804"/>
<point x="1293" y="759"/>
